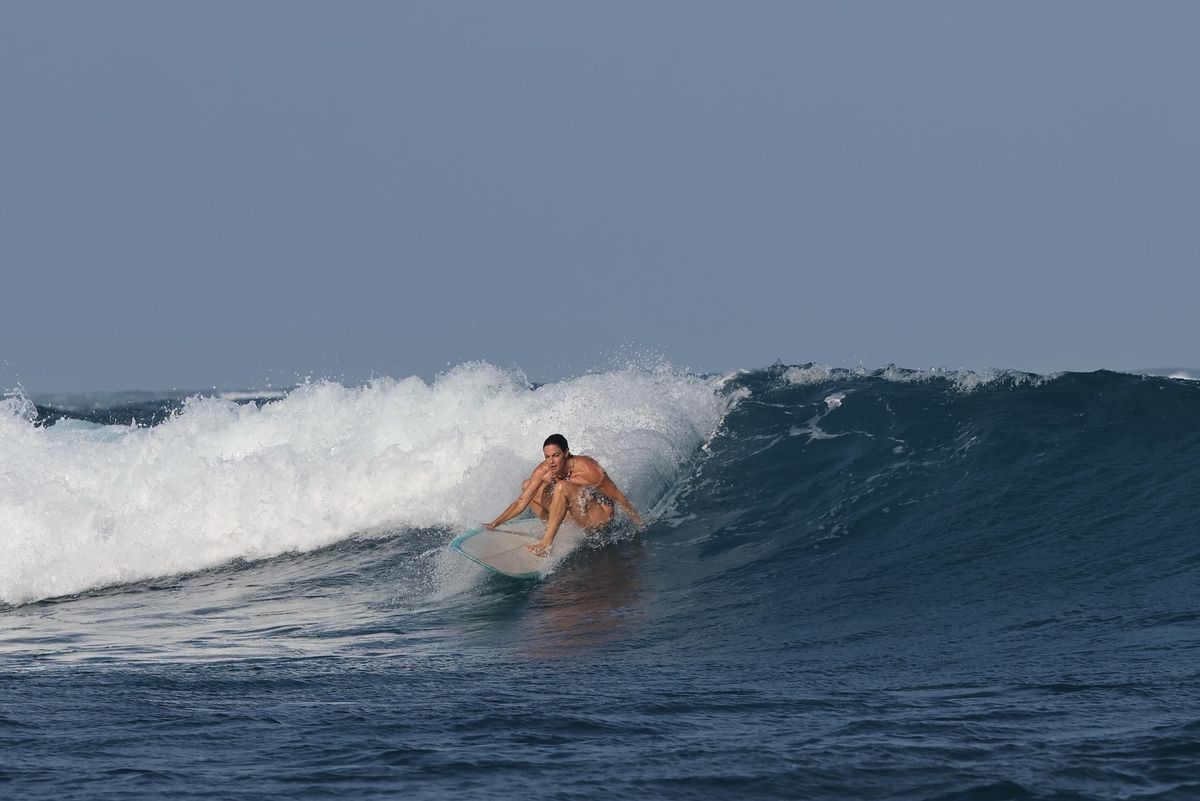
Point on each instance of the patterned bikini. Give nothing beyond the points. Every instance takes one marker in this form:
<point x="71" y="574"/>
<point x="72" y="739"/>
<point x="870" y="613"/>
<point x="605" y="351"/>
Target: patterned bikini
<point x="587" y="494"/>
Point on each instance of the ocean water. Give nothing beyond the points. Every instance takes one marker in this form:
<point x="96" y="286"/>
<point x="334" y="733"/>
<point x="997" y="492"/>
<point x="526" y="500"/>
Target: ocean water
<point x="866" y="584"/>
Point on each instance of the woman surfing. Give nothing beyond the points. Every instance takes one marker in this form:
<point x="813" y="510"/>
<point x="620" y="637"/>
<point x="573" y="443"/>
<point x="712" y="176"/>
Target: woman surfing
<point x="567" y="484"/>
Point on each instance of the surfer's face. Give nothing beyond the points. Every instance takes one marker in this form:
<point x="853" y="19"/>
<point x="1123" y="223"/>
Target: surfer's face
<point x="555" y="458"/>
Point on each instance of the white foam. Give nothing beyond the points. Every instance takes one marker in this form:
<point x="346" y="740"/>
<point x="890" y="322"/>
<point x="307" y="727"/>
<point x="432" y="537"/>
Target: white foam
<point x="251" y="394"/>
<point x="1177" y="373"/>
<point x="15" y="404"/>
<point x="83" y="506"/>
<point x="963" y="380"/>
<point x="813" y="374"/>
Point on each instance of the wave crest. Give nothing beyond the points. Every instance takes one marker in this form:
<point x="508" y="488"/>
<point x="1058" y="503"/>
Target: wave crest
<point x="89" y="505"/>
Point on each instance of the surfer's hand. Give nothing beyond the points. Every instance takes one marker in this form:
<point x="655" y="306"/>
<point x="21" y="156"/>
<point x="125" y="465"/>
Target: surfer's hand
<point x="490" y="526"/>
<point x="538" y="549"/>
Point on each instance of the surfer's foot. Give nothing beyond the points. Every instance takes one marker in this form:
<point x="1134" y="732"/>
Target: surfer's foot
<point x="538" y="549"/>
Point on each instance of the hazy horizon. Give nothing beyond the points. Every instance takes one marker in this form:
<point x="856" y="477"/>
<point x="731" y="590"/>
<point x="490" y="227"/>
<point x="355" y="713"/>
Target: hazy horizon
<point x="135" y="394"/>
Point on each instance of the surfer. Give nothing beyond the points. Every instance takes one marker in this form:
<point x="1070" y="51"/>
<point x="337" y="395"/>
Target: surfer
<point x="567" y="484"/>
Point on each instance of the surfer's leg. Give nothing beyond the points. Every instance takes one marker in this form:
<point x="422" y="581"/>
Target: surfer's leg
<point x="560" y="505"/>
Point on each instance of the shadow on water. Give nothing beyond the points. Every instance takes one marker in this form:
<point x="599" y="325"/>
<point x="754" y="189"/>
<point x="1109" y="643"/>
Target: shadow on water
<point x="588" y="605"/>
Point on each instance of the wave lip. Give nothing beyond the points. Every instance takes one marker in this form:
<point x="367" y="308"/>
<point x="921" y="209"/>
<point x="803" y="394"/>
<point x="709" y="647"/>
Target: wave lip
<point x="1179" y="373"/>
<point x="960" y="378"/>
<point x="86" y="505"/>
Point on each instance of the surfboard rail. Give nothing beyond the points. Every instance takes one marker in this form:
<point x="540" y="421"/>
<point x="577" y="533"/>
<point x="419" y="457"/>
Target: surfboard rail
<point x="502" y="550"/>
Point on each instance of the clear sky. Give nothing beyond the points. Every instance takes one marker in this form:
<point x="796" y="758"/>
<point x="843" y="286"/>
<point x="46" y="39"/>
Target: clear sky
<point x="235" y="193"/>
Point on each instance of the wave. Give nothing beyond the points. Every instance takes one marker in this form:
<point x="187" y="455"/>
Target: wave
<point x="848" y="499"/>
<point x="931" y="501"/>
<point x="85" y="504"/>
<point x="961" y="575"/>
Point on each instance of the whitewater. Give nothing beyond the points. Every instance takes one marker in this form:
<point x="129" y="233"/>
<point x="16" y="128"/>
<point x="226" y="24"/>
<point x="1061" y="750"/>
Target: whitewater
<point x="851" y="584"/>
<point x="90" y="505"/>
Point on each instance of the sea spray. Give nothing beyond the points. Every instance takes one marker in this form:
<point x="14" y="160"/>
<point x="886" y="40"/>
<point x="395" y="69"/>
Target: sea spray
<point x="84" y="506"/>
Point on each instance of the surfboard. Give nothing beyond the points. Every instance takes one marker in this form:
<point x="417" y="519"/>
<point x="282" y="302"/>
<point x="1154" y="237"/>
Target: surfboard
<point x="503" y="550"/>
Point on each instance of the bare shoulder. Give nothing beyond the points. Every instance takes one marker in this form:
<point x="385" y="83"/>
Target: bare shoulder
<point x="588" y="469"/>
<point x="540" y="473"/>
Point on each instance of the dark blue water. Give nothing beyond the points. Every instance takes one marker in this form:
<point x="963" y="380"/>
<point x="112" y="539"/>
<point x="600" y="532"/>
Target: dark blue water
<point x="870" y="585"/>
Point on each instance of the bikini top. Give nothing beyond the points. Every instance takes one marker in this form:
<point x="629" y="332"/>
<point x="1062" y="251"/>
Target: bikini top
<point x="555" y="479"/>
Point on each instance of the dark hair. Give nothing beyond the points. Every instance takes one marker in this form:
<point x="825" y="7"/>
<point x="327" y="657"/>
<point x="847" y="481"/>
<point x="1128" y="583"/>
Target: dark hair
<point x="559" y="440"/>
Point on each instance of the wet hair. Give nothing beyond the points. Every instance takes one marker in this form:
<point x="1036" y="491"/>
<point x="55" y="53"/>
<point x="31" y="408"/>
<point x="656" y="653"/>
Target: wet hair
<point x="559" y="440"/>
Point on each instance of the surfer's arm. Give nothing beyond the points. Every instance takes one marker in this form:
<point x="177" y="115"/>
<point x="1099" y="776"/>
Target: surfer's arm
<point x="515" y="508"/>
<point x="529" y="491"/>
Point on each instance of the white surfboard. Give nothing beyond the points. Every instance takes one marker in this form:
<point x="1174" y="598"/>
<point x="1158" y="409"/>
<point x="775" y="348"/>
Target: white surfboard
<point x="503" y="550"/>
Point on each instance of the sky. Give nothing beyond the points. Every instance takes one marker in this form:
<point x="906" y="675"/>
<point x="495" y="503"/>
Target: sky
<point x="243" y="194"/>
